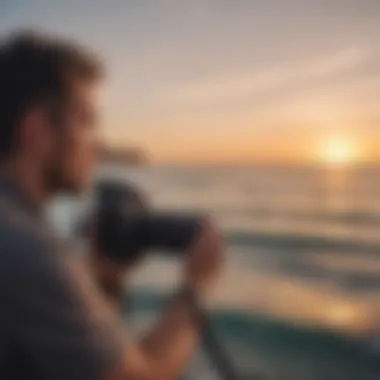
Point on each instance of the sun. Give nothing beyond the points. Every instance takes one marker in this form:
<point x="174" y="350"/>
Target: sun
<point x="339" y="151"/>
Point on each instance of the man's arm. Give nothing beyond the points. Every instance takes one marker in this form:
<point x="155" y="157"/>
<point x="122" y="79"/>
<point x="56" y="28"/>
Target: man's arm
<point x="164" y="352"/>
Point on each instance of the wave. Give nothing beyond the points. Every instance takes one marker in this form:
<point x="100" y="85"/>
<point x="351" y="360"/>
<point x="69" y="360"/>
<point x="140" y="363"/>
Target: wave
<point x="294" y="242"/>
<point x="297" y="256"/>
<point x="346" y="217"/>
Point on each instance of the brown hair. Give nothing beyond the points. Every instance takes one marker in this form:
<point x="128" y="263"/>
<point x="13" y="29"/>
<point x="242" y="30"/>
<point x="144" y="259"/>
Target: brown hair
<point x="36" y="68"/>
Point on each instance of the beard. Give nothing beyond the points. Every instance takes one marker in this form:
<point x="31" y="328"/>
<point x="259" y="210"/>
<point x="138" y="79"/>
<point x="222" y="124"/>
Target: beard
<point x="63" y="175"/>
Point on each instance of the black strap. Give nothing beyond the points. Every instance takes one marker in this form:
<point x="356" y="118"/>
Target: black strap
<point x="213" y="348"/>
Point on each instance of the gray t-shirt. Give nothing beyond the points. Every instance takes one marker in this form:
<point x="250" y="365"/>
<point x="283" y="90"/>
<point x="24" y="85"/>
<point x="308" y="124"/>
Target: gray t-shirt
<point x="54" y="321"/>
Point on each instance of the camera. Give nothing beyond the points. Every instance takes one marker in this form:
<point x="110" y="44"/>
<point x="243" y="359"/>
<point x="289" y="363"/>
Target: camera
<point x="127" y="226"/>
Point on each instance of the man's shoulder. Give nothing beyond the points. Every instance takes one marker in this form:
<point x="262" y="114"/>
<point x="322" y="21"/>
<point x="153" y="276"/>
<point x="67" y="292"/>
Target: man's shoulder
<point x="15" y="222"/>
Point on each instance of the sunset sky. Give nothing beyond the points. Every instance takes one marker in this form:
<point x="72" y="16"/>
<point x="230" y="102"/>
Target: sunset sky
<point x="229" y="80"/>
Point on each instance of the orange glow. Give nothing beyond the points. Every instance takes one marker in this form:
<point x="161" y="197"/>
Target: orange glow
<point x="345" y="149"/>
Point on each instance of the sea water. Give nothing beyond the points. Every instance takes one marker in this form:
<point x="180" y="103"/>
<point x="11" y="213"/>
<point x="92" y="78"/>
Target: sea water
<point x="300" y="296"/>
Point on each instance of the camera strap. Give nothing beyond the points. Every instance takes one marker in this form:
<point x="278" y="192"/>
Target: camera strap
<point x="213" y="348"/>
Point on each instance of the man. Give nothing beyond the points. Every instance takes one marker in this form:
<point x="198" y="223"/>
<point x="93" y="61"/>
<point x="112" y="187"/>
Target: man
<point x="56" y="321"/>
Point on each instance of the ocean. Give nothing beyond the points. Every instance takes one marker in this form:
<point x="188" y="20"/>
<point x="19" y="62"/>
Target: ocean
<point x="300" y="296"/>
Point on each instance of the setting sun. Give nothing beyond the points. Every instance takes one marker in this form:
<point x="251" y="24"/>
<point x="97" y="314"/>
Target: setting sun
<point x="339" y="151"/>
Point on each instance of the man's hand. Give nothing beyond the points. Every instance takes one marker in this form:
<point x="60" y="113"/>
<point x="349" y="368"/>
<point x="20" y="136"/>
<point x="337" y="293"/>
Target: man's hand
<point x="203" y="262"/>
<point x="205" y="259"/>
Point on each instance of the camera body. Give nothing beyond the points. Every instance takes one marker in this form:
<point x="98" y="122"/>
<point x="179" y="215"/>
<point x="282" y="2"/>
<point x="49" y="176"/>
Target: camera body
<point x="126" y="226"/>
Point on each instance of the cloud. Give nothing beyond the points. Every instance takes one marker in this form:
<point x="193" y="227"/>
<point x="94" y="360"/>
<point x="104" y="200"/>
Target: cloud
<point x="266" y="80"/>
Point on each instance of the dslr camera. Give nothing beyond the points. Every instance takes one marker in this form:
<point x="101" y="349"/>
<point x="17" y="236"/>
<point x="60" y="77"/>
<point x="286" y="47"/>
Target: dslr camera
<point x="127" y="226"/>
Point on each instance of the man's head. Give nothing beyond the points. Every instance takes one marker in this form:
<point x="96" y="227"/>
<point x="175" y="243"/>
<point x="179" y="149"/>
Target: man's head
<point x="48" y="109"/>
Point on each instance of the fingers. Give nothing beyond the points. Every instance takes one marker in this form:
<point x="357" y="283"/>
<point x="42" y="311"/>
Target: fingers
<point x="205" y="257"/>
